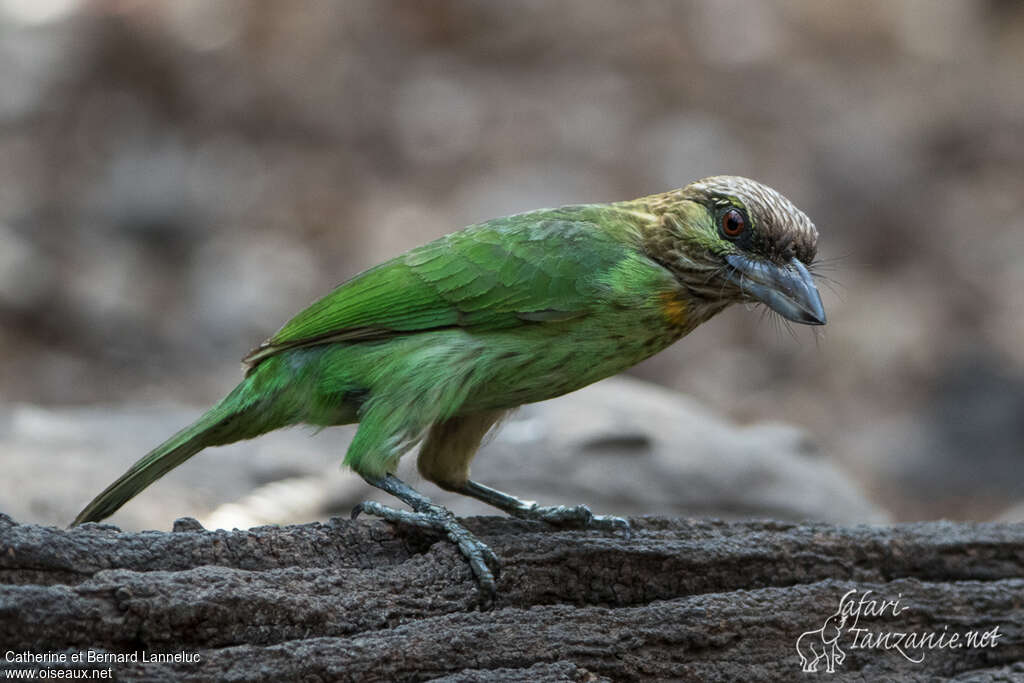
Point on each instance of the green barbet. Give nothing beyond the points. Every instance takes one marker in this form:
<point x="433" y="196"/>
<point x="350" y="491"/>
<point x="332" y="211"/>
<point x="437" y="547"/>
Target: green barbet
<point x="435" y="345"/>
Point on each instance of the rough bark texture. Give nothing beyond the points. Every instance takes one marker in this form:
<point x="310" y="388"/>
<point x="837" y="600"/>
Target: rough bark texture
<point x="681" y="599"/>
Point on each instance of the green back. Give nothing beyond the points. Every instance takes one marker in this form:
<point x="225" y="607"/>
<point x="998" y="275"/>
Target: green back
<point x="540" y="266"/>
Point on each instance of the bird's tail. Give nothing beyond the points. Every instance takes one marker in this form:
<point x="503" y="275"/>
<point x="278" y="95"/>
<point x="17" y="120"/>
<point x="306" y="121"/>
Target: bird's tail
<point x="242" y="414"/>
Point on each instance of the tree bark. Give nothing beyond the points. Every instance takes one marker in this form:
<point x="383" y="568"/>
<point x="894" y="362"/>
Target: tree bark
<point x="680" y="599"/>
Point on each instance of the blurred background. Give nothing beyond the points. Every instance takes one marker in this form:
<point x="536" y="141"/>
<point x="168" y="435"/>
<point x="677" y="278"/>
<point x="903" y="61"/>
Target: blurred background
<point x="178" y="178"/>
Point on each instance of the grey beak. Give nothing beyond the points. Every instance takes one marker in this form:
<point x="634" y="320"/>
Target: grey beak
<point x="788" y="290"/>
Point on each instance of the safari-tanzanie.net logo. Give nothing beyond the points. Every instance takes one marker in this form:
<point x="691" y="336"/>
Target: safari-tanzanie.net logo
<point x="825" y="648"/>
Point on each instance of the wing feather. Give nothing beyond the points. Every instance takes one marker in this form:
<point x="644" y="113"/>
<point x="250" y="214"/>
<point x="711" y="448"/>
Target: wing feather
<point x="544" y="266"/>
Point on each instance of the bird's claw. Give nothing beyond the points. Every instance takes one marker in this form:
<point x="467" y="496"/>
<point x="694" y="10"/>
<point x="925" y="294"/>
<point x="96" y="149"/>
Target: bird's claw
<point x="482" y="560"/>
<point x="574" y="515"/>
<point x="612" y="523"/>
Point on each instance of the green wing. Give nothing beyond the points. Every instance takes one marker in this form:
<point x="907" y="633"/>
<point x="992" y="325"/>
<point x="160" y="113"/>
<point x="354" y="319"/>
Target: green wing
<point x="535" y="267"/>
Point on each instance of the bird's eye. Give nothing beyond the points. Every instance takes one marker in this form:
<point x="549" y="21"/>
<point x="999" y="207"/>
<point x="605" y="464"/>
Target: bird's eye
<point x="733" y="223"/>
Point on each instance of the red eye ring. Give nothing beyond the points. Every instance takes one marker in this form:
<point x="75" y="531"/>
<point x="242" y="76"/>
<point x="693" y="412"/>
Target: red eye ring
<point x="733" y="223"/>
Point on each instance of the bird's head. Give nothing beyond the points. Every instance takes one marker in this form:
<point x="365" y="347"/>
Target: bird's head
<point x="729" y="239"/>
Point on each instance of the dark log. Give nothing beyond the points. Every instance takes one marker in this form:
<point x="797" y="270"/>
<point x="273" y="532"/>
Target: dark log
<point x="681" y="599"/>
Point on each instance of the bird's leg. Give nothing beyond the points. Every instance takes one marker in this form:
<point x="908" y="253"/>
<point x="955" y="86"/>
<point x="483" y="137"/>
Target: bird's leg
<point x="555" y="514"/>
<point x="428" y="515"/>
<point x="444" y="459"/>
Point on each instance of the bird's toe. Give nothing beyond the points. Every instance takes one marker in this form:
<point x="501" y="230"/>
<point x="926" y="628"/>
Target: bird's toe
<point x="482" y="560"/>
<point x="611" y="523"/>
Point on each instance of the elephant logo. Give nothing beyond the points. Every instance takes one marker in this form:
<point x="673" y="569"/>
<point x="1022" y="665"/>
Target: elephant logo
<point x="822" y="644"/>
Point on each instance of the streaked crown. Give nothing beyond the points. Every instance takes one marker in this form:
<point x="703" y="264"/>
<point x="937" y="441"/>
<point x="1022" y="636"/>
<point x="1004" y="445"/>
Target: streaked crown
<point x="781" y="229"/>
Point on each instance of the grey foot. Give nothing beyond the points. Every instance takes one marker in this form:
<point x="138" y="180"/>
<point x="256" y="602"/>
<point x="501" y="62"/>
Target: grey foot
<point x="559" y="515"/>
<point x="480" y="557"/>
<point x="571" y="515"/>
